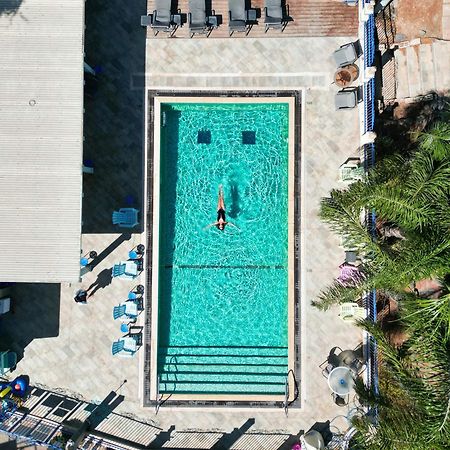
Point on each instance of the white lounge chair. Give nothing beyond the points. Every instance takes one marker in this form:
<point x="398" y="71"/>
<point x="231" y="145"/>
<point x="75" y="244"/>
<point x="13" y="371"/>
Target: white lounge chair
<point x="351" y="312"/>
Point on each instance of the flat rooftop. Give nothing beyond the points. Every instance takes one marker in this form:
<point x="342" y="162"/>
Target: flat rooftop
<point x="41" y="132"/>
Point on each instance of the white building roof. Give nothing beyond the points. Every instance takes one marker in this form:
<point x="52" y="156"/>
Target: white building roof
<point x="41" y="139"/>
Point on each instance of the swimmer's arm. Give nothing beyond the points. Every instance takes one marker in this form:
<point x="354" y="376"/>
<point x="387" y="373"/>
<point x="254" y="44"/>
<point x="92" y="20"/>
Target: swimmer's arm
<point x="211" y="225"/>
<point x="233" y="225"/>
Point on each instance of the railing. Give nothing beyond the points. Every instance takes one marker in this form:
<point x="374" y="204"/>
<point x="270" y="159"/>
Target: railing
<point x="369" y="41"/>
<point x="369" y="105"/>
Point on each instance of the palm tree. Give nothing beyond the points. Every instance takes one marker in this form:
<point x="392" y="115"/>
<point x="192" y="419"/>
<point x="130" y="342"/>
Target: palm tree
<point x="414" y="407"/>
<point x="411" y="196"/>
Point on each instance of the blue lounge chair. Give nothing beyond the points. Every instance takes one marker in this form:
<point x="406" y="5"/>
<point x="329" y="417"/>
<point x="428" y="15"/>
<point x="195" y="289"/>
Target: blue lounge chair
<point x="125" y="347"/>
<point x="125" y="269"/>
<point x="118" y="311"/>
<point x="129" y="310"/>
<point x="125" y="217"/>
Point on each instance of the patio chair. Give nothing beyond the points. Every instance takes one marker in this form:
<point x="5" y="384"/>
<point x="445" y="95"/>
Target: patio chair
<point x="161" y="18"/>
<point x="237" y="15"/>
<point x="345" y="55"/>
<point x="197" y="18"/>
<point x="331" y="362"/>
<point x="340" y="401"/>
<point x="346" y="98"/>
<point x="125" y="347"/>
<point x="351" y="171"/>
<point x="125" y="269"/>
<point x="125" y="217"/>
<point x="275" y="14"/>
<point x="312" y="440"/>
<point x="351" y="312"/>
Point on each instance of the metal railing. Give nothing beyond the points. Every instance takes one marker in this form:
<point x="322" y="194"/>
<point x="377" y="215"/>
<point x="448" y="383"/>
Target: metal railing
<point x="369" y="105"/>
<point x="369" y="41"/>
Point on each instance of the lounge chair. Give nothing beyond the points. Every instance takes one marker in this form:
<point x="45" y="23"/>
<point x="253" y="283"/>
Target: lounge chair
<point x="127" y="310"/>
<point x="125" y="347"/>
<point x="162" y="17"/>
<point x="125" y="217"/>
<point x="237" y="14"/>
<point x="351" y="312"/>
<point x="276" y="15"/>
<point x="351" y="171"/>
<point x="345" y="55"/>
<point x="125" y="269"/>
<point x="346" y="98"/>
<point x="197" y="18"/>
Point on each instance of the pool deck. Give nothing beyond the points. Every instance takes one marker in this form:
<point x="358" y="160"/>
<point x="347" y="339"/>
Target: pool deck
<point x="67" y="345"/>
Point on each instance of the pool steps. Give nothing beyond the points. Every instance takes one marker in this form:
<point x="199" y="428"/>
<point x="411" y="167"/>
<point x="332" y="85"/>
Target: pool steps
<point x="222" y="370"/>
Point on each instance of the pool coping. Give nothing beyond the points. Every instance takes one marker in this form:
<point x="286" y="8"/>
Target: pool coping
<point x="149" y="363"/>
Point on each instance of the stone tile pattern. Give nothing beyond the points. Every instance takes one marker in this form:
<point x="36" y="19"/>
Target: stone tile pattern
<point x="241" y="64"/>
<point x="70" y="344"/>
<point x="309" y="18"/>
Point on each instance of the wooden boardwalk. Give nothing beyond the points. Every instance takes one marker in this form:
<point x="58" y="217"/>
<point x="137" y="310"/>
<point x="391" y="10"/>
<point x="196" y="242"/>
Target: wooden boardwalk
<point x="310" y="18"/>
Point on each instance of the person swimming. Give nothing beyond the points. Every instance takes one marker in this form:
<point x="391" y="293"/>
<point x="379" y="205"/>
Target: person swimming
<point x="221" y="218"/>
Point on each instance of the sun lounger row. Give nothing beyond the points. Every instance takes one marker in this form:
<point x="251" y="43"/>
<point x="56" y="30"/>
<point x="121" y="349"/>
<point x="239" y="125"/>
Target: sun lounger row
<point x="202" y="21"/>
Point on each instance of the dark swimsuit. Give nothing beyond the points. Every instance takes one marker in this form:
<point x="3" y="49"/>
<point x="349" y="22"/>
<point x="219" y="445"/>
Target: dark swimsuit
<point x="221" y="214"/>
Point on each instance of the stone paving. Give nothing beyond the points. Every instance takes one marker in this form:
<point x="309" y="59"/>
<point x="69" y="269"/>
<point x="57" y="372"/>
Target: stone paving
<point x="68" y="344"/>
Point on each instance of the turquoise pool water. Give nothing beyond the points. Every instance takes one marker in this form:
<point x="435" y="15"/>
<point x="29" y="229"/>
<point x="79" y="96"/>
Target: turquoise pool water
<point x="223" y="294"/>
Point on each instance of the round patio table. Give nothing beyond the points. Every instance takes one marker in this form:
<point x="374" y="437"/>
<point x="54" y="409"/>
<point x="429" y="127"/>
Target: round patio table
<point x="341" y="380"/>
<point x="346" y="75"/>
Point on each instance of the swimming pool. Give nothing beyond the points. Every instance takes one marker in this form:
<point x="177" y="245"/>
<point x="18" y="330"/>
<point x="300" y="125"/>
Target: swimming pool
<point x="224" y="298"/>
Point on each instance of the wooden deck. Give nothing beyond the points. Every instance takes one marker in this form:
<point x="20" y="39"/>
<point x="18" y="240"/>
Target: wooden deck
<point x="309" y="18"/>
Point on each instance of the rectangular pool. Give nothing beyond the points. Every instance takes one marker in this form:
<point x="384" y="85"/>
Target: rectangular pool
<point x="224" y="298"/>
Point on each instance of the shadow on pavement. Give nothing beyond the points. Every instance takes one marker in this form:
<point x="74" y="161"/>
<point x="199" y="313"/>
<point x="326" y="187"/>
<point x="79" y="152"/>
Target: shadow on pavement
<point x="34" y="314"/>
<point x="113" y="120"/>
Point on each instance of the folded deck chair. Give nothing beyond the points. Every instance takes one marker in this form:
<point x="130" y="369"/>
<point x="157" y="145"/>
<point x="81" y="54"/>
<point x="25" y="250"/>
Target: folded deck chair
<point x="274" y="14"/>
<point x="237" y="16"/>
<point x="351" y="312"/>
<point x="125" y="347"/>
<point x="161" y="19"/>
<point x="345" y="55"/>
<point x="346" y="98"/>
<point x="125" y="217"/>
<point x="197" y="17"/>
